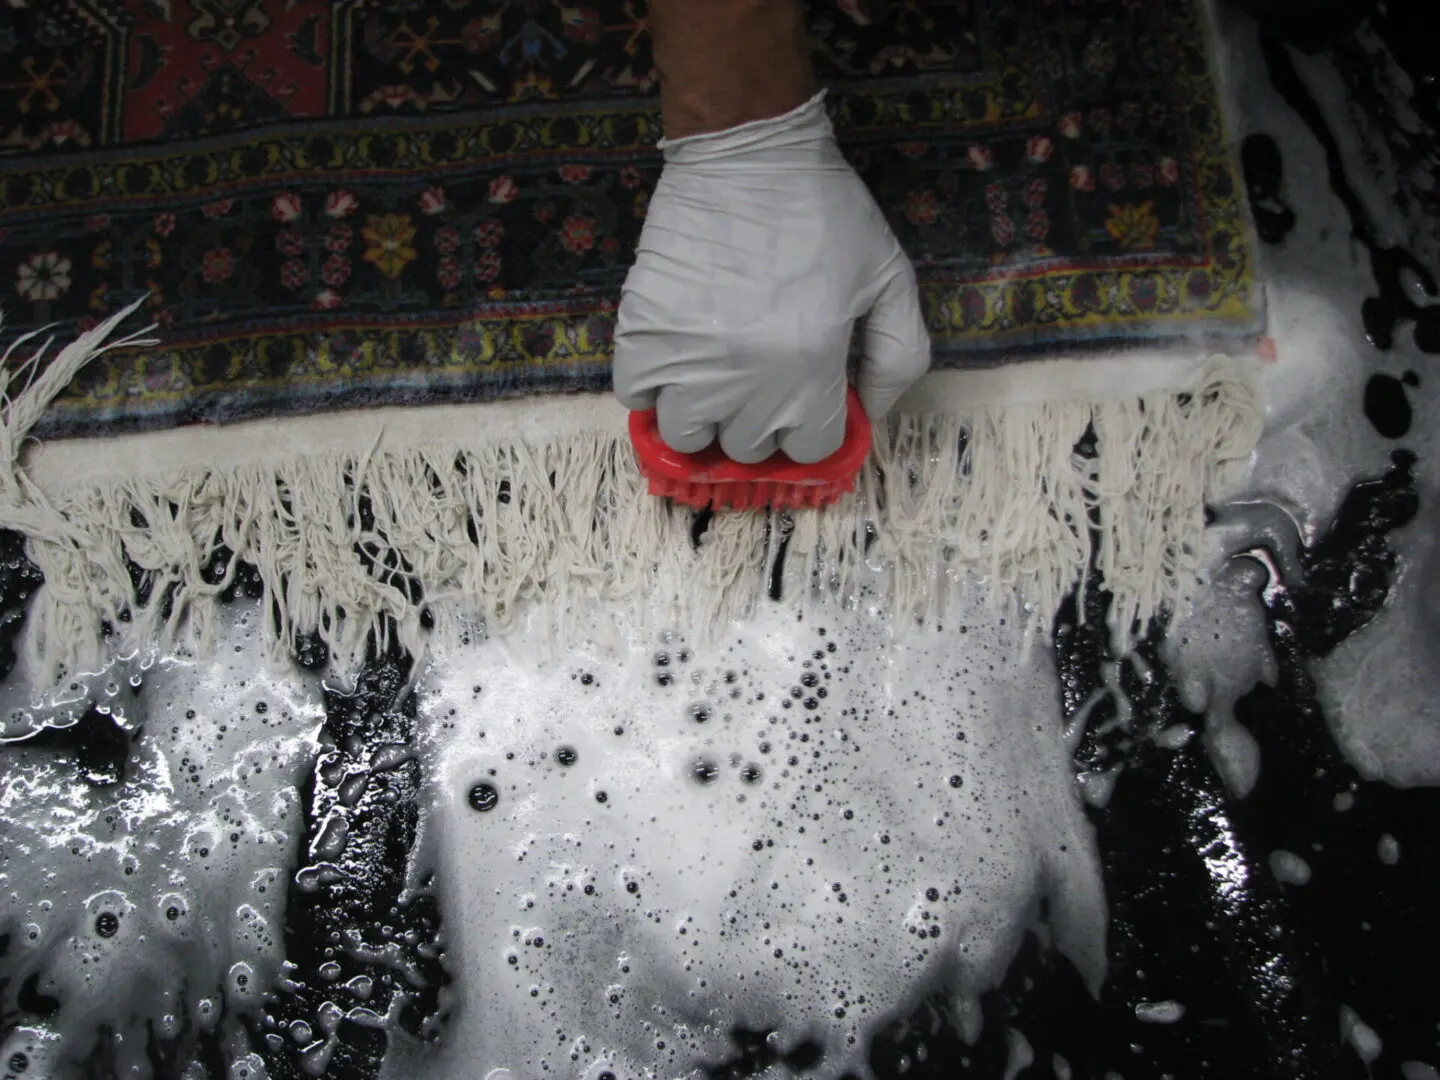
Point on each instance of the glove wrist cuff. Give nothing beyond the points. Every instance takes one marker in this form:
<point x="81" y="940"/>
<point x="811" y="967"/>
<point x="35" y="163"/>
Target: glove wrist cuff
<point x="802" y="124"/>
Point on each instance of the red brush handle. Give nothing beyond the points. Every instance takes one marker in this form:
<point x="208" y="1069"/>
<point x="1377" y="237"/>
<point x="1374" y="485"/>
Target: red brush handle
<point x="711" y="466"/>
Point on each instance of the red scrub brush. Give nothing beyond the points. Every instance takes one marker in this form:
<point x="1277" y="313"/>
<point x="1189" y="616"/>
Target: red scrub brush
<point x="710" y="479"/>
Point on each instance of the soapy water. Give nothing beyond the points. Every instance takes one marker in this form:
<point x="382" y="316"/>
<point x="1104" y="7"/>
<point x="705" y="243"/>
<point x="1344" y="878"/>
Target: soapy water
<point x="798" y="833"/>
<point x="331" y="1012"/>
<point x="560" y="722"/>
<point x="1379" y="684"/>
<point x="183" y="891"/>
<point x="1267" y="914"/>
<point x="149" y="833"/>
<point x="1350" y="437"/>
<point x="164" y="821"/>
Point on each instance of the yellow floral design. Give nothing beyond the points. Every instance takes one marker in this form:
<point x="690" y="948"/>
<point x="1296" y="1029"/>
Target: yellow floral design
<point x="388" y="242"/>
<point x="1133" y="225"/>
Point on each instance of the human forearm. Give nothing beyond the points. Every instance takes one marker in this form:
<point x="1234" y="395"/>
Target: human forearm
<point x="727" y="62"/>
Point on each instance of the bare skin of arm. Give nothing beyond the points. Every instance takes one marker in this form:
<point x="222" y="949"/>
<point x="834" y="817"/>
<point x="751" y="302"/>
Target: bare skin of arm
<point x="727" y="62"/>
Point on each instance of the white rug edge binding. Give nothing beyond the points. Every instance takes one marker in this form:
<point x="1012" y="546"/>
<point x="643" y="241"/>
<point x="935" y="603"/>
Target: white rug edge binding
<point x="534" y="508"/>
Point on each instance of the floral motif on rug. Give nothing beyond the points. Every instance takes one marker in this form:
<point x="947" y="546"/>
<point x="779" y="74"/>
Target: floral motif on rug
<point x="351" y="202"/>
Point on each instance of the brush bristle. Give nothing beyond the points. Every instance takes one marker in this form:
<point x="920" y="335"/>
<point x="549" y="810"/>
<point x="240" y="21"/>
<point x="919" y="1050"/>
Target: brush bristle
<point x="757" y="495"/>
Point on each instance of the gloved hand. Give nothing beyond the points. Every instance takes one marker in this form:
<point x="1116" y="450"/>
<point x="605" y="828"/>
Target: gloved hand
<point x="760" y="250"/>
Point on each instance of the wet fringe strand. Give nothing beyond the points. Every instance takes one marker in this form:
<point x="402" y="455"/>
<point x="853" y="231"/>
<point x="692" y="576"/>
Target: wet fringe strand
<point x="408" y="541"/>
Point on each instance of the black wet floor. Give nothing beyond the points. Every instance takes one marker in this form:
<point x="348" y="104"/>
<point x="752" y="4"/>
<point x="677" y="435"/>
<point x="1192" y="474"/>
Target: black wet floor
<point x="1262" y="969"/>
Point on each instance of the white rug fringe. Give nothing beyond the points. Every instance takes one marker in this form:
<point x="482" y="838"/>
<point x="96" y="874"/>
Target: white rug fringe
<point x="353" y="544"/>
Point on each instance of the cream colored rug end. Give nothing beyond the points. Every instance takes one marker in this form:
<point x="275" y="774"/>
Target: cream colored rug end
<point x="395" y="536"/>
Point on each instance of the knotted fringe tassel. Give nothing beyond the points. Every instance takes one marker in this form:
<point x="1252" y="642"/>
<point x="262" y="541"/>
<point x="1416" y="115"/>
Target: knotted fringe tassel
<point x="354" y="547"/>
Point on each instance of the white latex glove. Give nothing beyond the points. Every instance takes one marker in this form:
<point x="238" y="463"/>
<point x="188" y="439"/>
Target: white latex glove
<point x="761" y="249"/>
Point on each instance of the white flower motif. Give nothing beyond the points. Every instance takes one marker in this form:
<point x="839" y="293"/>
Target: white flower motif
<point x="44" y="276"/>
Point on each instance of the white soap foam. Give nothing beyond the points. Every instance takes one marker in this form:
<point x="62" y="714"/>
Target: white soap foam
<point x="1159" y="1012"/>
<point x="1289" y="868"/>
<point x="1217" y="652"/>
<point x="1019" y="1054"/>
<point x="155" y="904"/>
<point x="1379" y="688"/>
<point x="1388" y="850"/>
<point x="791" y="838"/>
<point x="1174" y="737"/>
<point x="1098" y="785"/>
<point x="1359" y="1035"/>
